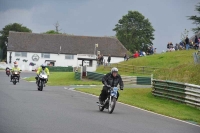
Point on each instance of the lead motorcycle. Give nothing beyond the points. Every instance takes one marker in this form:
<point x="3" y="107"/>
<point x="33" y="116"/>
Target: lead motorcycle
<point x="15" y="76"/>
<point x="41" y="80"/>
<point x="110" y="102"/>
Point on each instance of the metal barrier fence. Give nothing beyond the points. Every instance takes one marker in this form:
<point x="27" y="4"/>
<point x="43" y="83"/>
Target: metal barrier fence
<point x="182" y="92"/>
<point x="77" y="75"/>
<point x="95" y="76"/>
<point x="196" y="57"/>
<point x="60" y="69"/>
<point x="132" y="68"/>
<point x="126" y="79"/>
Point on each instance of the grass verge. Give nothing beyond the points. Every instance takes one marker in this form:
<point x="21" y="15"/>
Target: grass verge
<point x="65" y="78"/>
<point x="143" y="98"/>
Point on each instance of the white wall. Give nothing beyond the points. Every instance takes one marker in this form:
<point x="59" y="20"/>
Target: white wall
<point x="60" y="61"/>
<point x="93" y="68"/>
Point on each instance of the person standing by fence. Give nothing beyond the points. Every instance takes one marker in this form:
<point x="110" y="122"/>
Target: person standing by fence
<point x="125" y="57"/>
<point x="187" y="43"/>
<point x="109" y="59"/>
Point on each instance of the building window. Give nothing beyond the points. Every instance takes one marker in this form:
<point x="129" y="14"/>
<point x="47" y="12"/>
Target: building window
<point x="21" y="54"/>
<point x="24" y="54"/>
<point x="69" y="57"/>
<point x="17" y="54"/>
<point x="45" y="55"/>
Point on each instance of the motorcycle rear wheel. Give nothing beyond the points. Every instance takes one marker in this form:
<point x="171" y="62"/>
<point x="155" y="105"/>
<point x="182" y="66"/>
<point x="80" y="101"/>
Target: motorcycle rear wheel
<point x="101" y="108"/>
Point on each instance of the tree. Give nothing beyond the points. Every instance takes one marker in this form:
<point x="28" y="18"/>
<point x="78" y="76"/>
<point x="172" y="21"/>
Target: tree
<point x="4" y="33"/>
<point x="184" y="35"/>
<point x="52" y="32"/>
<point x="57" y="25"/>
<point x="196" y="20"/>
<point x="135" y="31"/>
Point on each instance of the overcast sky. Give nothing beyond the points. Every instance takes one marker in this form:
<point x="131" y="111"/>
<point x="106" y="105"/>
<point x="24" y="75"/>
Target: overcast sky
<point x="98" y="17"/>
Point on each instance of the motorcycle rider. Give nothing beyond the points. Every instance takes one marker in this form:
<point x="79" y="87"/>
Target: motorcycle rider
<point x="7" y="69"/>
<point x="40" y="69"/>
<point x="111" y="79"/>
<point x="15" y="69"/>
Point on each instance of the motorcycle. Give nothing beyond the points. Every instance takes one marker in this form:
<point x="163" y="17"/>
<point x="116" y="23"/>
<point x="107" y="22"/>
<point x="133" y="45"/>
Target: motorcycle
<point x="8" y="71"/>
<point x="41" y="80"/>
<point x="15" y="78"/>
<point x="110" y="102"/>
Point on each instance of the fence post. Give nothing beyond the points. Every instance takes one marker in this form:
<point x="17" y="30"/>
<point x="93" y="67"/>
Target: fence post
<point x="151" y="79"/>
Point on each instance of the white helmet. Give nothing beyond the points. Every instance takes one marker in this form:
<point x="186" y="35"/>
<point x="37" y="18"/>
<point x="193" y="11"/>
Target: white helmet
<point x="15" y="64"/>
<point x="43" y="66"/>
<point x="114" y="69"/>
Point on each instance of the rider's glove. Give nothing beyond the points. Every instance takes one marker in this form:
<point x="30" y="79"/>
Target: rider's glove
<point x="121" y="88"/>
<point x="108" y="86"/>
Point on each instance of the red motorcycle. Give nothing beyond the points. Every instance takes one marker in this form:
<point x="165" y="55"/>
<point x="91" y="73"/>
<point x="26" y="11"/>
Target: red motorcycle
<point x="8" y="71"/>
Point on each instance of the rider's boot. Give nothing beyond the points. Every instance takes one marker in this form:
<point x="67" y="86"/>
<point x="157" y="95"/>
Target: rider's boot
<point x="100" y="101"/>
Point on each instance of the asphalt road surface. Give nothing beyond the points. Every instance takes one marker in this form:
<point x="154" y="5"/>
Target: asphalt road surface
<point x="23" y="109"/>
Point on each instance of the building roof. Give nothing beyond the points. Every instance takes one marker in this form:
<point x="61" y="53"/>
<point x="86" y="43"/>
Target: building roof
<point x="48" y="43"/>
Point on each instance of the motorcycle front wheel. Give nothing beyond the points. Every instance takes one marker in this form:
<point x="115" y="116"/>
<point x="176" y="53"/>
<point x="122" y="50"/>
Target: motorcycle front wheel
<point x="40" y="85"/>
<point x="14" y="81"/>
<point x="112" y="105"/>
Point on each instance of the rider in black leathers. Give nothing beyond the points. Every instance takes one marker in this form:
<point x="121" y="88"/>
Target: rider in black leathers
<point x="111" y="79"/>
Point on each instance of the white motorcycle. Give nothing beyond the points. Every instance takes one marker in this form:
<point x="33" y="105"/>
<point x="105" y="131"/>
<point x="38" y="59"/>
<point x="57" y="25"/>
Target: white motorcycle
<point x="41" y="81"/>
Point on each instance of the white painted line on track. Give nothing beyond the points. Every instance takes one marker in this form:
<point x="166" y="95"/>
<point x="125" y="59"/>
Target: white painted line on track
<point x="143" y="110"/>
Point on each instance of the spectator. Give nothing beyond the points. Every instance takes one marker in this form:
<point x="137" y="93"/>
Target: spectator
<point x="102" y="59"/>
<point x="172" y="49"/>
<point x="151" y="49"/>
<point x="199" y="43"/>
<point x="154" y="51"/>
<point x="136" y="55"/>
<point x="176" y="47"/>
<point x="148" y="51"/>
<point x="191" y="45"/>
<point x="141" y="53"/>
<point x="144" y="53"/>
<point x="171" y="45"/>
<point x="109" y="59"/>
<point x="168" y="45"/>
<point x="98" y="59"/>
<point x="125" y="57"/>
<point x="187" y="43"/>
<point x="196" y="41"/>
<point x="181" y="45"/>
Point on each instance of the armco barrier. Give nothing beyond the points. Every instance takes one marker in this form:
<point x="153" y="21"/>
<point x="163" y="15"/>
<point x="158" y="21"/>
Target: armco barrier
<point x="136" y="80"/>
<point x="196" y="57"/>
<point x="77" y="75"/>
<point x="182" y="92"/>
<point x="60" y="69"/>
<point x="126" y="79"/>
<point x="95" y="76"/>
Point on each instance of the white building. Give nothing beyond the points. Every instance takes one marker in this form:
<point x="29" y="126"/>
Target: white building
<point x="60" y="50"/>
